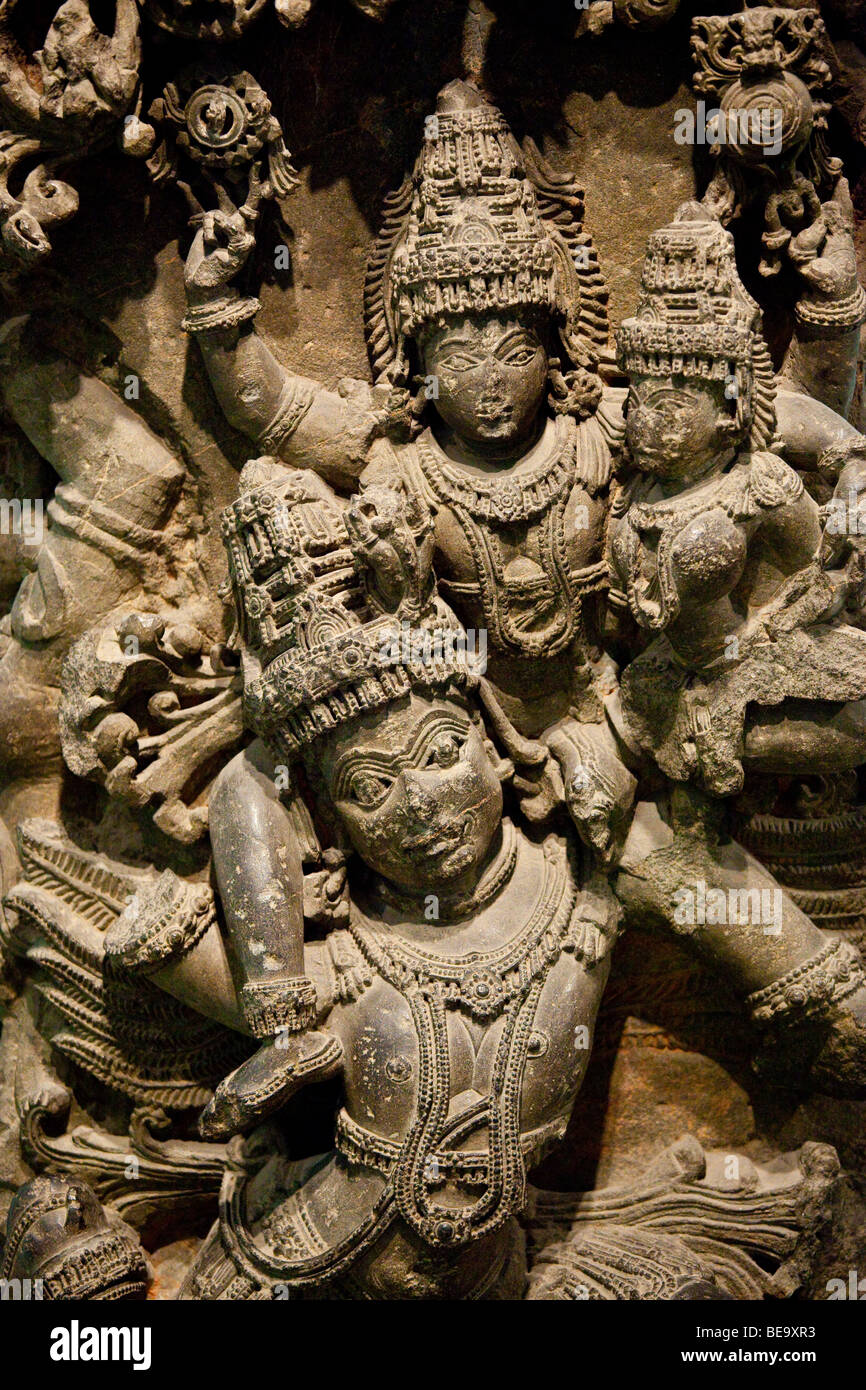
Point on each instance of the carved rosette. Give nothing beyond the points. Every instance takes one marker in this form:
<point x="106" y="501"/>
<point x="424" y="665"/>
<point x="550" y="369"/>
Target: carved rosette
<point x="770" y="70"/>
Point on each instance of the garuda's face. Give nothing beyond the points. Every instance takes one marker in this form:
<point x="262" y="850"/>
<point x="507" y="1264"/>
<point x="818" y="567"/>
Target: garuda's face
<point x="417" y="792"/>
<point x="490" y="373"/>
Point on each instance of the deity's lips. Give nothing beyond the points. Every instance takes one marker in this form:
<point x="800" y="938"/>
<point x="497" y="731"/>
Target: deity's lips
<point x="493" y="414"/>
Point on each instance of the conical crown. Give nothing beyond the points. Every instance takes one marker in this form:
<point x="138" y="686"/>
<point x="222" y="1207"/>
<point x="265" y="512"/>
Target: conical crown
<point x="474" y="239"/>
<point x="694" y="318"/>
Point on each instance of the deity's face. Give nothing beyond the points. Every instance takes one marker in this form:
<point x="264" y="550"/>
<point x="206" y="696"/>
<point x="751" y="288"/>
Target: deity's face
<point x="675" y="427"/>
<point x="491" y="376"/>
<point x="417" y="792"/>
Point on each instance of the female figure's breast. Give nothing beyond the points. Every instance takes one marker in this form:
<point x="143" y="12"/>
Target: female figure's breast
<point x="708" y="557"/>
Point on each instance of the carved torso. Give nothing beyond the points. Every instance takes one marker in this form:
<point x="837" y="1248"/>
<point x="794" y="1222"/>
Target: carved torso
<point x="464" y="1046"/>
<point x="519" y="555"/>
<point x="682" y="559"/>
<point x="534" y="939"/>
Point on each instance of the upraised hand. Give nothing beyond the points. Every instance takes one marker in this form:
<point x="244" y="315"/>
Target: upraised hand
<point x="223" y="243"/>
<point x="824" y="254"/>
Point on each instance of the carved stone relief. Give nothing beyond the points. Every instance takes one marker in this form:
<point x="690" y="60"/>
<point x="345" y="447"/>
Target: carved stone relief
<point x="433" y="655"/>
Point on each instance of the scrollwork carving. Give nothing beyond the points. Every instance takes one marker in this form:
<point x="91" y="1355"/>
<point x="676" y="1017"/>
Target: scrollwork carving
<point x="190" y="699"/>
<point x="87" y="83"/>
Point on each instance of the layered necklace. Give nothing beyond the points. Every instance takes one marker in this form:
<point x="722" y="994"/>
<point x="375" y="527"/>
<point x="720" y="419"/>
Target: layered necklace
<point x="504" y="982"/>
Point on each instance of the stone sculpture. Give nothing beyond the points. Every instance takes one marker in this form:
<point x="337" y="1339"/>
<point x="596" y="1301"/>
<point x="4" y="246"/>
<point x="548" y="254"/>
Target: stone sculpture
<point x="709" y="503"/>
<point x="316" y="849"/>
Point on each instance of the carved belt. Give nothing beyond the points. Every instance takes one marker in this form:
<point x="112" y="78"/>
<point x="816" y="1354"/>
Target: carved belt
<point x="468" y="1167"/>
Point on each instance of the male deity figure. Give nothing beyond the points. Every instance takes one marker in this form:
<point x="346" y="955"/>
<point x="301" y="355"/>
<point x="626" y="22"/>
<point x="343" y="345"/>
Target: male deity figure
<point x="457" y="998"/>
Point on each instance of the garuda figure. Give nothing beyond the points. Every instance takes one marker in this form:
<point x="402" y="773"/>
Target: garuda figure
<point x="457" y="989"/>
<point x="458" y="998"/>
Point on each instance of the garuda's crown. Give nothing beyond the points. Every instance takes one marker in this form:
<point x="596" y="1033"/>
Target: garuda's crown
<point x="336" y="605"/>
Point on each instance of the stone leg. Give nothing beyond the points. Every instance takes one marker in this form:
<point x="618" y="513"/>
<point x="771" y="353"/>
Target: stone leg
<point x="805" y="990"/>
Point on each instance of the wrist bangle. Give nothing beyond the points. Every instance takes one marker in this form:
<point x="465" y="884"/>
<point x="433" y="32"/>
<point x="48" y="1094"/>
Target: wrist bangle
<point x="269" y="1006"/>
<point x="834" y="313"/>
<point x="815" y="987"/>
<point x="219" y="313"/>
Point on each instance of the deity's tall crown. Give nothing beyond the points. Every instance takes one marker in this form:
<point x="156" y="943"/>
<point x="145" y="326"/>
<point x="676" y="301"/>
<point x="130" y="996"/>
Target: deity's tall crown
<point x="474" y="240"/>
<point x="482" y="225"/>
<point x="696" y="319"/>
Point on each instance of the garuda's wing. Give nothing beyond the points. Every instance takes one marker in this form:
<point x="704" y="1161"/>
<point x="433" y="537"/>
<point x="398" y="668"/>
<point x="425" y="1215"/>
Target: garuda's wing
<point x="114" y="1024"/>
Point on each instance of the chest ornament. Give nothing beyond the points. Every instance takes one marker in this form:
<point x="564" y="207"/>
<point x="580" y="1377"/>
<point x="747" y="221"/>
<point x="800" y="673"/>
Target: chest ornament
<point x="504" y="983"/>
<point x="481" y="983"/>
<point x="517" y="499"/>
<point x="528" y="615"/>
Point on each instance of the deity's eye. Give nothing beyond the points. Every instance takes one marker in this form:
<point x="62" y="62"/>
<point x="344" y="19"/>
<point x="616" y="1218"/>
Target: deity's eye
<point x="520" y="356"/>
<point x="459" y="361"/>
<point x="445" y="750"/>
<point x="369" y="789"/>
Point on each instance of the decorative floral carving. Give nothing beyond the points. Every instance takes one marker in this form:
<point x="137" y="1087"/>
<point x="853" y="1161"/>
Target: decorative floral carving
<point x="770" y="70"/>
<point x="87" y="83"/>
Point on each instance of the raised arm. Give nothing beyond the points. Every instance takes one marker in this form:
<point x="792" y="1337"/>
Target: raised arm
<point x="286" y="415"/>
<point x="258" y="859"/>
<point x="821" y="360"/>
<point x="92" y="439"/>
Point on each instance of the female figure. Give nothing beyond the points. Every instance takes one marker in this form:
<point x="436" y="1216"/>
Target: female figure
<point x="717" y="547"/>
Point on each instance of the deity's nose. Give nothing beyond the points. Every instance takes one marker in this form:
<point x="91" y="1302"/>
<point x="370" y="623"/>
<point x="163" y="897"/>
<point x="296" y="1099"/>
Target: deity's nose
<point x="494" y="377"/>
<point x="420" y="799"/>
